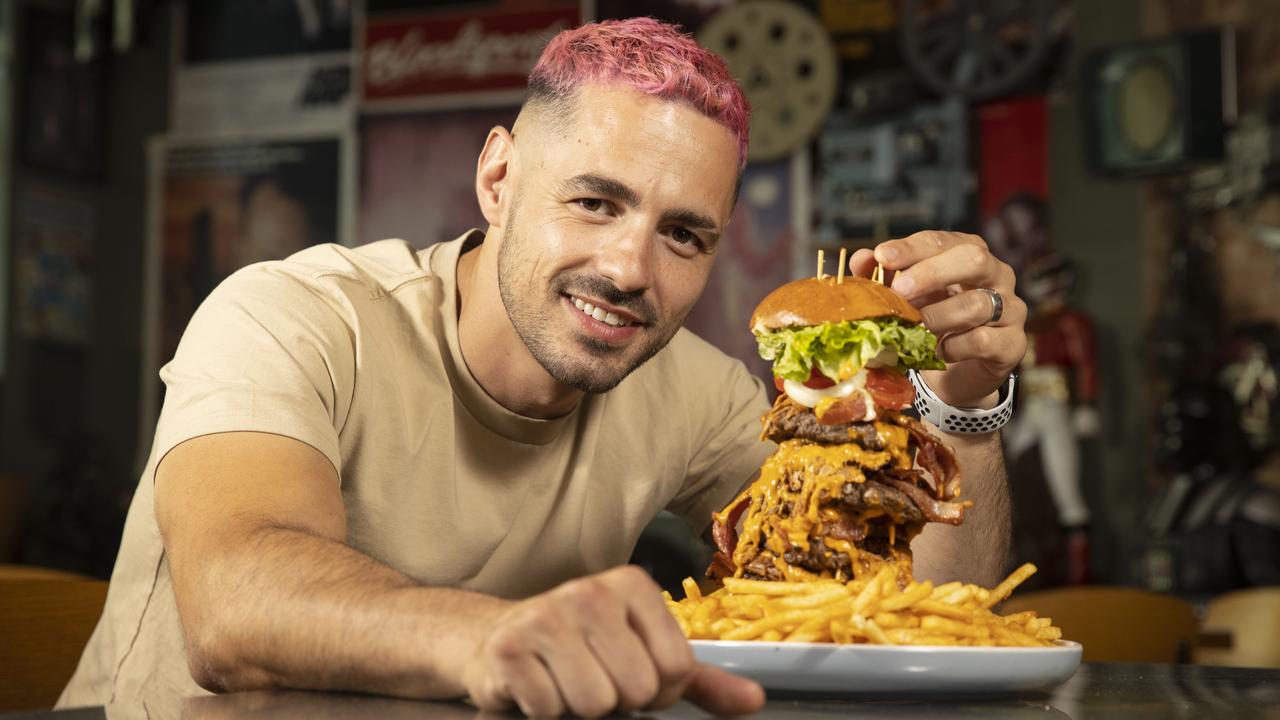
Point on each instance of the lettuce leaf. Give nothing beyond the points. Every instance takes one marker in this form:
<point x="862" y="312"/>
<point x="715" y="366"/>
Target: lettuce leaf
<point x="795" y="351"/>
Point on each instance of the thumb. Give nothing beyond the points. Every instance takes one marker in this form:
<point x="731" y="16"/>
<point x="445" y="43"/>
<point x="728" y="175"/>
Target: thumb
<point x="723" y="693"/>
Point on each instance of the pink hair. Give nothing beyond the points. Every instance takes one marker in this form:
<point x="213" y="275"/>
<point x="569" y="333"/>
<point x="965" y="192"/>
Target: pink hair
<point x="649" y="56"/>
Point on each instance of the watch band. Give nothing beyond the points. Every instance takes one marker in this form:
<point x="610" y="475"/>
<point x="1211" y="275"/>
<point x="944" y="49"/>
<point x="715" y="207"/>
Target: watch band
<point x="968" y="421"/>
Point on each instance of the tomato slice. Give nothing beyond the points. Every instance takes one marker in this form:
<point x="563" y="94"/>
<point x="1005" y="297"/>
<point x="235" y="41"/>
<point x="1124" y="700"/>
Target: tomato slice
<point x="818" y="381"/>
<point x="890" y="389"/>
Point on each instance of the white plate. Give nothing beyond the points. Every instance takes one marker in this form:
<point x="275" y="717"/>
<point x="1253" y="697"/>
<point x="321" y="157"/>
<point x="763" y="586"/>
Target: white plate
<point x="893" y="669"/>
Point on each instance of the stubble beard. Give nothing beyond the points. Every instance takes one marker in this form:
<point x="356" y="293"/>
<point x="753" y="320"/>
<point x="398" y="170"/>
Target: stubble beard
<point x="596" y="366"/>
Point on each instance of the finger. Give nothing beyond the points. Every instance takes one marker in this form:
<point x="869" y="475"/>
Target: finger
<point x="862" y="262"/>
<point x="522" y="681"/>
<point x="723" y="693"/>
<point x="963" y="265"/>
<point x="626" y="660"/>
<point x="649" y="616"/>
<point x="971" y="309"/>
<point x="998" y="350"/>
<point x="905" y="252"/>
<point x="586" y="688"/>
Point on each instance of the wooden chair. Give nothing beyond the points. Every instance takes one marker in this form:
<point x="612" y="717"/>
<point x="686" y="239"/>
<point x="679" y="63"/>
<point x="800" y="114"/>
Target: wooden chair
<point x="46" y="617"/>
<point x="1116" y="624"/>
<point x="1242" y="629"/>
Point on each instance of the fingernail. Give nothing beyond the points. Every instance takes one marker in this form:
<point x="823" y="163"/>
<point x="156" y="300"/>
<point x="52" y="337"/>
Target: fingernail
<point x="904" y="284"/>
<point x="887" y="254"/>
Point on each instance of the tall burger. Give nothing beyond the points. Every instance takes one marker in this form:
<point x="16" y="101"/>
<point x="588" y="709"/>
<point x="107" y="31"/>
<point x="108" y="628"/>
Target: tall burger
<point x="854" y="478"/>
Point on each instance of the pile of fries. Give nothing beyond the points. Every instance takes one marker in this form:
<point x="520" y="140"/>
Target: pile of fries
<point x="874" y="610"/>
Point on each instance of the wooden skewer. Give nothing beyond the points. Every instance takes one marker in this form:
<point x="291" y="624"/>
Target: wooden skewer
<point x="877" y="275"/>
<point x="820" y="263"/>
<point x="840" y="270"/>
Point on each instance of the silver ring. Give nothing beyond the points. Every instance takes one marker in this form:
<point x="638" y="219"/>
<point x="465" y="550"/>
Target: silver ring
<point x="997" y="305"/>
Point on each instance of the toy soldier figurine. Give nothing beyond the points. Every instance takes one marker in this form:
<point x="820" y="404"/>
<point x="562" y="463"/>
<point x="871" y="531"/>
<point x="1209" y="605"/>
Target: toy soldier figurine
<point x="1058" y="388"/>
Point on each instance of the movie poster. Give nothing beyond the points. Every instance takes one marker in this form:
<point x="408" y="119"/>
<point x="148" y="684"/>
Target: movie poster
<point x="417" y="173"/>
<point x="218" y="205"/>
<point x="755" y="256"/>
<point x="244" y="65"/>
<point x="53" y="267"/>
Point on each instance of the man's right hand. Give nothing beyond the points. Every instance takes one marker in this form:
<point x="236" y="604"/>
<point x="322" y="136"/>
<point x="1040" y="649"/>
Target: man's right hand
<point x="595" y="645"/>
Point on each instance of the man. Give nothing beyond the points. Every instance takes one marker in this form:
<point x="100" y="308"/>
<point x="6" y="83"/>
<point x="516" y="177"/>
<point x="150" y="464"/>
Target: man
<point x="420" y="473"/>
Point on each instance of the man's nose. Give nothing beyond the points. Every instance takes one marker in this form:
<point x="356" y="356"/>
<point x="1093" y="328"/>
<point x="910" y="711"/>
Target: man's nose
<point x="628" y="259"/>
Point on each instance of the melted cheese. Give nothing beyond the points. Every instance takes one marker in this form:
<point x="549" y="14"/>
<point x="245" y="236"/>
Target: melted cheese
<point x="779" y="519"/>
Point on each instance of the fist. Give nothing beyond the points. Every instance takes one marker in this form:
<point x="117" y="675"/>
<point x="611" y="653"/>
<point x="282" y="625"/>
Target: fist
<point x="593" y="646"/>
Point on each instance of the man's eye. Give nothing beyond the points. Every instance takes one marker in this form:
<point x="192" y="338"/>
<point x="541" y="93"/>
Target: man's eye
<point x="683" y="236"/>
<point x="591" y="204"/>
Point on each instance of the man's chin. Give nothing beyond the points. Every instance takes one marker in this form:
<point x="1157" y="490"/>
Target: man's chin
<point x="590" y="373"/>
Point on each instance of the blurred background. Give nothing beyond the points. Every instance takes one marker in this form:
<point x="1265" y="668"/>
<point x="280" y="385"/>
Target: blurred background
<point x="1121" y="156"/>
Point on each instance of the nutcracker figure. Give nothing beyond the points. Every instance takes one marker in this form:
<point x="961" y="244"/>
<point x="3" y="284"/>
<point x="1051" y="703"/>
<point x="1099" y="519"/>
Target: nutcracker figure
<point x="1059" y="385"/>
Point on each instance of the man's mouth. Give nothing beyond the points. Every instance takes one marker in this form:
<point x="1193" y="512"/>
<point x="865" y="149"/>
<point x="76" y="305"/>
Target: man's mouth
<point x="609" y="316"/>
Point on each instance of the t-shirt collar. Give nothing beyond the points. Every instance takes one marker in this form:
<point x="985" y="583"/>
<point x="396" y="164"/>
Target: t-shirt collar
<point x="513" y="426"/>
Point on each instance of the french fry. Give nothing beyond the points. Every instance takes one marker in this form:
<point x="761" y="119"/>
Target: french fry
<point x="1020" y="618"/>
<point x="944" y="590"/>
<point x="876" y="634"/>
<point x="947" y="626"/>
<point x="905" y="599"/>
<point x="691" y="589"/>
<point x="959" y="597"/>
<point x="1001" y="591"/>
<point x="940" y="608"/>
<point x="815" y="599"/>
<point x="869" y="609"/>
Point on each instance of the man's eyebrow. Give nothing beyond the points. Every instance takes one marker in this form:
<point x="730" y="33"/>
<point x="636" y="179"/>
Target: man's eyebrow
<point x="600" y="185"/>
<point x="690" y="218"/>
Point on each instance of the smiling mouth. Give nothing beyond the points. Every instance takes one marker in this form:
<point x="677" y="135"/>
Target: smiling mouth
<point x="601" y="314"/>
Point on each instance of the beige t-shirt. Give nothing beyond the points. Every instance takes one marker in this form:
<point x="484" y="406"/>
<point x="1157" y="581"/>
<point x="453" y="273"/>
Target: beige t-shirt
<point x="355" y="352"/>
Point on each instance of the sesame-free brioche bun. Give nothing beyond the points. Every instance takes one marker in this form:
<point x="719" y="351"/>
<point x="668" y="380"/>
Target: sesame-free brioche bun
<point x="814" y="301"/>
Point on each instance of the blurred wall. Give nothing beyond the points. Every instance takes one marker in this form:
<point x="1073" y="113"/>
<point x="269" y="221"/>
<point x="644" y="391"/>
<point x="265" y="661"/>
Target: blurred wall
<point x="1097" y="222"/>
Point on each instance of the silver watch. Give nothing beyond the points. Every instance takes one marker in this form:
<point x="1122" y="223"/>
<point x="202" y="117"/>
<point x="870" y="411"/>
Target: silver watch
<point x="968" y="421"/>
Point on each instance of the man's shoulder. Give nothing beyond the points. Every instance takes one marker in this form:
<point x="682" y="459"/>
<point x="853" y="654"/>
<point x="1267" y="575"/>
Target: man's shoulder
<point x="380" y="267"/>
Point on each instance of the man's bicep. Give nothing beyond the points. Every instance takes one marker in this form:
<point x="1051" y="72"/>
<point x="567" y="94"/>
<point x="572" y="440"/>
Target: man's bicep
<point x="214" y="489"/>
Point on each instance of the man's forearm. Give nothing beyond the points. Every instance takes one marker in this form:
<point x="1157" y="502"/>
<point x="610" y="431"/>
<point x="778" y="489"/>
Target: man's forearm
<point x="287" y="608"/>
<point x="976" y="551"/>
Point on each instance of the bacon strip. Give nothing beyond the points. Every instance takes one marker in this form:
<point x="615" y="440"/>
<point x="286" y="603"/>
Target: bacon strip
<point x="721" y="567"/>
<point x="935" y="457"/>
<point x="934" y="510"/>
<point x="726" y="534"/>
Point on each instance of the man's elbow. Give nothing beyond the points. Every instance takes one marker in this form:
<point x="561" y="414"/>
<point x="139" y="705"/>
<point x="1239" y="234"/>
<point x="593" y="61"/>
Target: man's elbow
<point x="217" y="666"/>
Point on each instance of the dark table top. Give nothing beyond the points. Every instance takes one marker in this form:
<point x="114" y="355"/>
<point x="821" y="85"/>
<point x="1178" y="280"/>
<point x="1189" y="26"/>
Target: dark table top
<point x="1096" y="691"/>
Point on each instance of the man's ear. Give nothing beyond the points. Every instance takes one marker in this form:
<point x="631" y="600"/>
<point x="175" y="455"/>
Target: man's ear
<point x="492" y="171"/>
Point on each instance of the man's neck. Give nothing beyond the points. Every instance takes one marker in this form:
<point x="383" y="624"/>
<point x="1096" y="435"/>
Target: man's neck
<point x="494" y="353"/>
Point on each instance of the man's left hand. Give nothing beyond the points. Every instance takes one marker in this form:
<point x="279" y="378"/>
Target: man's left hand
<point x="941" y="273"/>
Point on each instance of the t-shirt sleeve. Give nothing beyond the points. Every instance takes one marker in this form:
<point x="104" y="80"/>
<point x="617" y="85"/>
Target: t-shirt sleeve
<point x="725" y="405"/>
<point x="268" y="351"/>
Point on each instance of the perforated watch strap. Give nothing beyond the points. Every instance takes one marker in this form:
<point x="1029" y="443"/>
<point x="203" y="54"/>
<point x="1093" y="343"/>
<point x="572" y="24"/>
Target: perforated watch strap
<point x="970" y="421"/>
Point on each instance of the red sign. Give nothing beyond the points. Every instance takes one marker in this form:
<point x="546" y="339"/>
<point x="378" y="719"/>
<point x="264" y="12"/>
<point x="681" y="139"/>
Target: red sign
<point x="456" y="53"/>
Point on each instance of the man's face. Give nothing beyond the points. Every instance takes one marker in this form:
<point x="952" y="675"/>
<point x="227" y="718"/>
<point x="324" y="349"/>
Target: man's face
<point x="613" y="225"/>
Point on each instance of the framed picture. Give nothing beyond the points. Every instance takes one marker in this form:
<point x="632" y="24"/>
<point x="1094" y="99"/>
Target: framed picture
<point x="218" y="204"/>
